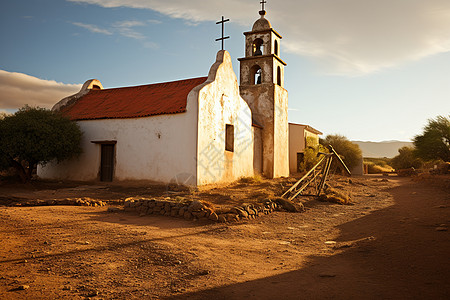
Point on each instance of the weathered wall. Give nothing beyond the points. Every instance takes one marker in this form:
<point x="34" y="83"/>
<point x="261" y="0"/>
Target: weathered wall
<point x="219" y="103"/>
<point x="158" y="148"/>
<point x="269" y="107"/>
<point x="257" y="150"/>
<point x="281" y="133"/>
<point x="259" y="98"/>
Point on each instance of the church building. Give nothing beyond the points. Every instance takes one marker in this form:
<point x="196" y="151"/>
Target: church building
<point x="195" y="131"/>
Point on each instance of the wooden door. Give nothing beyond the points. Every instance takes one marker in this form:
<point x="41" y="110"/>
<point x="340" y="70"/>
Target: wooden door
<point x="107" y="162"/>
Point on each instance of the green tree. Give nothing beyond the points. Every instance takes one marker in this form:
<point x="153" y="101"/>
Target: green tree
<point x="34" y="136"/>
<point x="405" y="159"/>
<point x="350" y="152"/>
<point x="434" y="142"/>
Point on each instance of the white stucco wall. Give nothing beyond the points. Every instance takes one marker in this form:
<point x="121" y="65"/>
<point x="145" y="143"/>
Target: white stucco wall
<point x="159" y="148"/>
<point x="219" y="103"/>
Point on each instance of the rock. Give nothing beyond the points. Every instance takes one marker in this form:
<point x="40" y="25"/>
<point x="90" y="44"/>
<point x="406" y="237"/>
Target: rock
<point x="242" y="213"/>
<point x="222" y="218"/>
<point x="289" y="205"/>
<point x="327" y="275"/>
<point x="182" y="211"/>
<point x="199" y="214"/>
<point x="113" y="209"/>
<point x="92" y="294"/>
<point x="187" y="215"/>
<point x="441" y="228"/>
<point x="23" y="287"/>
<point x="208" y="212"/>
<point x="195" y="206"/>
<point x="67" y="288"/>
<point x="213" y="217"/>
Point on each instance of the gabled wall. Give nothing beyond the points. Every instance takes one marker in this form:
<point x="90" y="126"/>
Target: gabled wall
<point x="219" y="103"/>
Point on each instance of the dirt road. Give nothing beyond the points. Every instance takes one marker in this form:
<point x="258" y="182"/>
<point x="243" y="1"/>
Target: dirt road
<point x="392" y="244"/>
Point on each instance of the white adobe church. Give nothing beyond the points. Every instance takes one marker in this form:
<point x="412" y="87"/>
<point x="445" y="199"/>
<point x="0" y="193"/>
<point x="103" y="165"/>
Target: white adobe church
<point x="196" y="131"/>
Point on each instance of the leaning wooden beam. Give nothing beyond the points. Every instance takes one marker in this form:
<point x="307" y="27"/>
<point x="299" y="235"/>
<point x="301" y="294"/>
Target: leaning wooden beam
<point x="325" y="174"/>
<point x="305" y="176"/>
<point x="304" y="186"/>
<point x="341" y="162"/>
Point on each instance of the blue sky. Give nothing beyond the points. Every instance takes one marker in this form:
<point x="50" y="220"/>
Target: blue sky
<point x="369" y="70"/>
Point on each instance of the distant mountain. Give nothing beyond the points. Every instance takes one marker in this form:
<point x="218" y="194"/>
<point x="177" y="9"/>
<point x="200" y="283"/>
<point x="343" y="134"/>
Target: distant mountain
<point x="381" y="149"/>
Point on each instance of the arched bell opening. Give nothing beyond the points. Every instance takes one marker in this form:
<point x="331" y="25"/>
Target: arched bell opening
<point x="275" y="50"/>
<point x="255" y="75"/>
<point x="258" y="47"/>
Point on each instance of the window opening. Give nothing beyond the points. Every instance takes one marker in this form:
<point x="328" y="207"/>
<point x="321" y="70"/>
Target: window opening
<point x="229" y="137"/>
<point x="279" y="76"/>
<point x="276" y="47"/>
<point x="258" y="47"/>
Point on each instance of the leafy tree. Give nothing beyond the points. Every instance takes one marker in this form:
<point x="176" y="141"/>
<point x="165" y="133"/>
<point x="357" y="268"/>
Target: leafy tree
<point x="406" y="159"/>
<point x="434" y="142"/>
<point x="350" y="152"/>
<point x="37" y="135"/>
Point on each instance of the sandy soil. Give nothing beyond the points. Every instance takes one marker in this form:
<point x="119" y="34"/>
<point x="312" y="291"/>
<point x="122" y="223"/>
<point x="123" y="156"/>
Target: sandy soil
<point x="393" y="243"/>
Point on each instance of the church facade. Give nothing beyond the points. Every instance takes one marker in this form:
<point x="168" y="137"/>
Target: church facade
<point x="196" y="131"/>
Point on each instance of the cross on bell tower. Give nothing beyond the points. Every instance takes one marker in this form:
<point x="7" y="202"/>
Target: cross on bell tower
<point x="262" y="11"/>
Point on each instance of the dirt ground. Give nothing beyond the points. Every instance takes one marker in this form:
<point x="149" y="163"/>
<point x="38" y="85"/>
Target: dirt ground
<point x="393" y="243"/>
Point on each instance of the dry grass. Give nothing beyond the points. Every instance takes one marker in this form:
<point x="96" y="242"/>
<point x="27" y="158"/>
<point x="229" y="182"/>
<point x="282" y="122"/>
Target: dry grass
<point x="335" y="196"/>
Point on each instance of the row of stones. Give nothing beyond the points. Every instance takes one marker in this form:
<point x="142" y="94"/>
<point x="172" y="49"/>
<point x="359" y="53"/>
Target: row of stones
<point x="195" y="209"/>
<point x="67" y="201"/>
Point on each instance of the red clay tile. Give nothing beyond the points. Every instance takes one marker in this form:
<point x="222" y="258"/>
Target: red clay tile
<point x="133" y="102"/>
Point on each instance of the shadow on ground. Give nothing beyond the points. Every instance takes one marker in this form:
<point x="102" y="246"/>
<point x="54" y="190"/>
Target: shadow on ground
<point x="393" y="253"/>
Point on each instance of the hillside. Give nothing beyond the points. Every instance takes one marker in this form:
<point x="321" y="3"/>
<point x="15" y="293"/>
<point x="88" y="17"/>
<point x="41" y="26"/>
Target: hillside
<point x="381" y="149"/>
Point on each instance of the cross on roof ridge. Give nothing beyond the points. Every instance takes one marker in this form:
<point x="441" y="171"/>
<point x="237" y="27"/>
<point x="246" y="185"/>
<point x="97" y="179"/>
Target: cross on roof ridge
<point x="223" y="29"/>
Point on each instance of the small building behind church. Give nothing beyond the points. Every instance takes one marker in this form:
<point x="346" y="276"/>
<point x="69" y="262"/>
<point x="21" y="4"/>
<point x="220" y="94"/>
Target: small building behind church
<point x="300" y="137"/>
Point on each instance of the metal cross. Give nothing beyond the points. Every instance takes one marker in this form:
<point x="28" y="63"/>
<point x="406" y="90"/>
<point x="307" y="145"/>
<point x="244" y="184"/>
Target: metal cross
<point x="223" y="27"/>
<point x="262" y="4"/>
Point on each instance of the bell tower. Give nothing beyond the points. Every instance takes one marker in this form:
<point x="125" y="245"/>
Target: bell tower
<point x="261" y="86"/>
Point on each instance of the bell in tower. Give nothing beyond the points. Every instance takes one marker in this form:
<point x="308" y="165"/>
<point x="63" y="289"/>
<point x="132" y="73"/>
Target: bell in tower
<point x="262" y="87"/>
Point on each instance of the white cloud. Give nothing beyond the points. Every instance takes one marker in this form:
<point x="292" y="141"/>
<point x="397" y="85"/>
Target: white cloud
<point x="124" y="28"/>
<point x="153" y="21"/>
<point x="92" y="28"/>
<point x="18" y="89"/>
<point x="346" y="37"/>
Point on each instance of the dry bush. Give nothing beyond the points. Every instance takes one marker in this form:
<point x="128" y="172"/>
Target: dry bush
<point x="335" y="196"/>
<point x="257" y="178"/>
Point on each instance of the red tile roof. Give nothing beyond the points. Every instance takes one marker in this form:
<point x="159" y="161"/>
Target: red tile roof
<point x="133" y="102"/>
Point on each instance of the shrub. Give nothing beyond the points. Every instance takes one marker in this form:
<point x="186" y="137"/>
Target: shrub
<point x="406" y="159"/>
<point x="350" y="152"/>
<point x="36" y="135"/>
